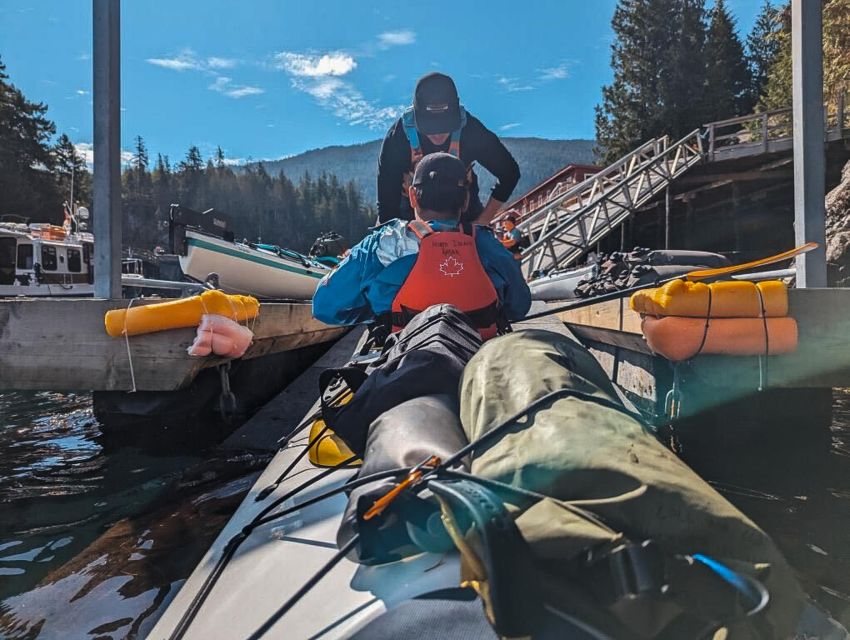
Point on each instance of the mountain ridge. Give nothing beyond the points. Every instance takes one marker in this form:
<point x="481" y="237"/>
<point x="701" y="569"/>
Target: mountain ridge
<point x="538" y="158"/>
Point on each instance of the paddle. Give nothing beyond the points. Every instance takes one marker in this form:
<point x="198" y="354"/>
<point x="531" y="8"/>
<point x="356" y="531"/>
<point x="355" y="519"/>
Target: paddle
<point x="702" y="274"/>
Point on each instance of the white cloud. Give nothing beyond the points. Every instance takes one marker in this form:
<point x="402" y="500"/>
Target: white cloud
<point x="185" y="61"/>
<point x="396" y="38"/>
<point x="314" y="66"/>
<point x="214" y="62"/>
<point x="225" y="85"/>
<point x="509" y="126"/>
<point x="241" y="92"/>
<point x="560" y="72"/>
<point x="220" y="84"/>
<point x="512" y="85"/>
<point x="320" y="76"/>
<point x="82" y="92"/>
<point x="86" y="151"/>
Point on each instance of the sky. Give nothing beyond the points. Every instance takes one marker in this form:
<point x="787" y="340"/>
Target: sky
<point x="266" y="79"/>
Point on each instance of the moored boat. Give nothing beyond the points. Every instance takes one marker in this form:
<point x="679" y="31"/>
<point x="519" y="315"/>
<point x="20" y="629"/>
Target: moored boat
<point x="45" y="260"/>
<point x="206" y="245"/>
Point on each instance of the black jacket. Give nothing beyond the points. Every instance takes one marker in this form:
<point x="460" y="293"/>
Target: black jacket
<point x="477" y="144"/>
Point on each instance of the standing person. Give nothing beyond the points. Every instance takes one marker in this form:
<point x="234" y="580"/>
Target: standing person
<point x="438" y="123"/>
<point x="403" y="268"/>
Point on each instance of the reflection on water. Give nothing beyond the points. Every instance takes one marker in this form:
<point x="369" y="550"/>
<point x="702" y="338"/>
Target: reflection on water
<point x="94" y="543"/>
<point x="77" y="559"/>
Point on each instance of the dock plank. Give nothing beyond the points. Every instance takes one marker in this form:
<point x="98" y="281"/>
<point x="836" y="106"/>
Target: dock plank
<point x="62" y="345"/>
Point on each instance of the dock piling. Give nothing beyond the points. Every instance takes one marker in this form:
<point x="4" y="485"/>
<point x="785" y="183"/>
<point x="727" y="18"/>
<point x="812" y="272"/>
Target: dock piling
<point x="106" y="62"/>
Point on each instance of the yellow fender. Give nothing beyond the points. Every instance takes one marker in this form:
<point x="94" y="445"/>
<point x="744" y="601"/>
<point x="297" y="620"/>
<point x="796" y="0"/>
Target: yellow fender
<point x="178" y="314"/>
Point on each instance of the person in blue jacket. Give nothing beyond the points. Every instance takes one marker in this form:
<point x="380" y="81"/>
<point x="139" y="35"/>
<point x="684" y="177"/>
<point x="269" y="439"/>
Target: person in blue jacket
<point x="386" y="274"/>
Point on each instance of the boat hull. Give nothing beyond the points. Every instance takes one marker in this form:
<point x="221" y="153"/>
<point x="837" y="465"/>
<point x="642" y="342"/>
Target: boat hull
<point x="560" y="286"/>
<point x="242" y="269"/>
<point x="47" y="290"/>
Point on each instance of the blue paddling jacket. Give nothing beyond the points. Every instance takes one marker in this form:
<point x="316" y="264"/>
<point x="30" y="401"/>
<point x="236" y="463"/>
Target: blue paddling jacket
<point x="368" y="279"/>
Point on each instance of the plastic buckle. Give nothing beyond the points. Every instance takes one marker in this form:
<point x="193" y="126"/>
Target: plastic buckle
<point x="633" y="570"/>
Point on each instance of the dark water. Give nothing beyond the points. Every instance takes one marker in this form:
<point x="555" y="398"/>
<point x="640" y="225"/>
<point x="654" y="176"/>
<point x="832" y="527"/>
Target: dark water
<point x="95" y="540"/>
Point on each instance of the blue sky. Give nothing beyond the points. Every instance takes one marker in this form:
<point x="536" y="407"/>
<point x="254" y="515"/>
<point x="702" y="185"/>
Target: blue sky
<point x="270" y="78"/>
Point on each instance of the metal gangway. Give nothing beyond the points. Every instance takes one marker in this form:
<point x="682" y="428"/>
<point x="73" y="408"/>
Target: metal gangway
<point x="570" y="224"/>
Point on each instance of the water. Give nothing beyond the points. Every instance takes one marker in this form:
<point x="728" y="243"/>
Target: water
<point x="95" y="541"/>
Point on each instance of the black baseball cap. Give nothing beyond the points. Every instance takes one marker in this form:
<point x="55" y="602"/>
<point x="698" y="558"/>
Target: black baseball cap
<point x="439" y="172"/>
<point x="435" y="104"/>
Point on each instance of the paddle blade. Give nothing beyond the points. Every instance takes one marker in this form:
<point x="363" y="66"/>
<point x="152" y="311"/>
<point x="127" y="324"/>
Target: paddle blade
<point x="736" y="268"/>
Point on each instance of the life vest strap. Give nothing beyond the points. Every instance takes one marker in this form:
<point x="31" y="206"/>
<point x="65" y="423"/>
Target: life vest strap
<point x="420" y="228"/>
<point x="408" y="121"/>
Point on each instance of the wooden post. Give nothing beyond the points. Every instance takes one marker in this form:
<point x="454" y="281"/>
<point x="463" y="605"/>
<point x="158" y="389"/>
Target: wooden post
<point x="107" y="148"/>
<point x="809" y="156"/>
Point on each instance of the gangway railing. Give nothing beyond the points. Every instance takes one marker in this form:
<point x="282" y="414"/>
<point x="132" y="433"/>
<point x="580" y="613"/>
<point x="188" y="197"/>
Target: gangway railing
<point x="769" y="131"/>
<point x="569" y="226"/>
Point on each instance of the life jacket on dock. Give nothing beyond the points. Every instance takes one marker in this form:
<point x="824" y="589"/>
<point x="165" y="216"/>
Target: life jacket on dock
<point x="448" y="271"/>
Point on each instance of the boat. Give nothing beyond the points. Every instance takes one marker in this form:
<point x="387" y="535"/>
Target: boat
<point x="285" y="566"/>
<point x="46" y="260"/>
<point x="207" y="249"/>
<point x="621" y="270"/>
<point x="561" y="285"/>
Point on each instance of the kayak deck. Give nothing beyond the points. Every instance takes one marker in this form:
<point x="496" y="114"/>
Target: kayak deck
<point x="278" y="557"/>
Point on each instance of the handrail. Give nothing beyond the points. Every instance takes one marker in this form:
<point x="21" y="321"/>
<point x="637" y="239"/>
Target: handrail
<point x="580" y="227"/>
<point x="761" y="130"/>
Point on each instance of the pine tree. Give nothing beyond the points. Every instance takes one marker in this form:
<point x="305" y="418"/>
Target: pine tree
<point x="763" y="46"/>
<point x="728" y="81"/>
<point x="659" y="73"/>
<point x="70" y="173"/>
<point x="27" y="186"/>
<point x="777" y="93"/>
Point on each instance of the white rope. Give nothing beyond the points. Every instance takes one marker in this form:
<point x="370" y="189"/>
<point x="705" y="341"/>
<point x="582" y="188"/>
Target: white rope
<point x="127" y="342"/>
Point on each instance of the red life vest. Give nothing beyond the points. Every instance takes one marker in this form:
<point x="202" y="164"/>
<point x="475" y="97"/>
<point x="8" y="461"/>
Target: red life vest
<point x="447" y="271"/>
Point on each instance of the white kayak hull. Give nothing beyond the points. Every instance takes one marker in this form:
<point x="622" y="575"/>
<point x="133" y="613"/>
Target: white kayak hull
<point x="278" y="557"/>
<point x="560" y="285"/>
<point x="246" y="270"/>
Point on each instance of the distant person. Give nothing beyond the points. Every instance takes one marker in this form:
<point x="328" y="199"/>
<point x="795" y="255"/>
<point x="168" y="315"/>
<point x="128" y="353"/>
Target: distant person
<point x="403" y="267"/>
<point x="511" y="237"/>
<point x="438" y="122"/>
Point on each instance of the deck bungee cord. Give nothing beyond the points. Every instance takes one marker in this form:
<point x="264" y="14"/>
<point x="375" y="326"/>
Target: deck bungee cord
<point x="421" y="474"/>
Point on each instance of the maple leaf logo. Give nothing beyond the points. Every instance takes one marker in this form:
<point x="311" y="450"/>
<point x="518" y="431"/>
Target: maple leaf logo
<point x="451" y="267"/>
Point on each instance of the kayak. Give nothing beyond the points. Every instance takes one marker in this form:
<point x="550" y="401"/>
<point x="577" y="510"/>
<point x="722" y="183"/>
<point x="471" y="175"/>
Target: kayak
<point x="332" y="548"/>
<point x="561" y="285"/>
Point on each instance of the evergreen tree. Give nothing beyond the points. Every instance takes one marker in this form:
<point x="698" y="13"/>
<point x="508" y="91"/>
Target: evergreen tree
<point x="70" y="173"/>
<point x="27" y="187"/>
<point x="777" y="93"/>
<point x="728" y="81"/>
<point x="659" y="74"/>
<point x="763" y="45"/>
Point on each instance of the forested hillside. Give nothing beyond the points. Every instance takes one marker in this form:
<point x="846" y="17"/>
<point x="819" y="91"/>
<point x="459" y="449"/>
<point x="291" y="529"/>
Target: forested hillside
<point x="538" y="159"/>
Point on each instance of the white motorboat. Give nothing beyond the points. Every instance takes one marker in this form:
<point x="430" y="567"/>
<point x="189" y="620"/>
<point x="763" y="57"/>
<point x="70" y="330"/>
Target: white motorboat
<point x="45" y="260"/>
<point x="561" y="285"/>
<point x="205" y="247"/>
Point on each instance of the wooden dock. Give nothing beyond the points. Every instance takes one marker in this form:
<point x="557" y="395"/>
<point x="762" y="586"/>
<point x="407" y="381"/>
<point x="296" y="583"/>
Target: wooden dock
<point x="62" y="345"/>
<point x="822" y="361"/>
